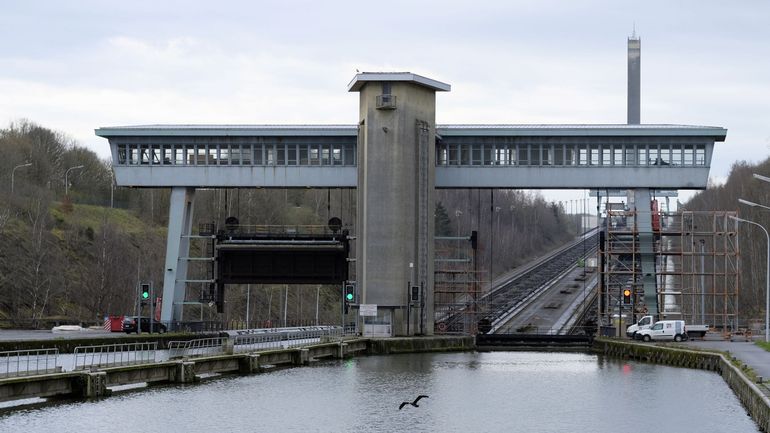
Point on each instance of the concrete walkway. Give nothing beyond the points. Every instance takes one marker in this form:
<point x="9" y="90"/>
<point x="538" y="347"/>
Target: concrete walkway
<point x="748" y="352"/>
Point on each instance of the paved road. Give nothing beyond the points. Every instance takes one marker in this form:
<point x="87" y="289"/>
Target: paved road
<point x="748" y="352"/>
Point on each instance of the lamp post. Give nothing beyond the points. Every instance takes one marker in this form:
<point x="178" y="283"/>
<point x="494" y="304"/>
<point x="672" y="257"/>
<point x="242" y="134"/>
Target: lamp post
<point x="767" y="276"/>
<point x="14" y="170"/>
<point x="66" y="183"/>
<point x="752" y="204"/>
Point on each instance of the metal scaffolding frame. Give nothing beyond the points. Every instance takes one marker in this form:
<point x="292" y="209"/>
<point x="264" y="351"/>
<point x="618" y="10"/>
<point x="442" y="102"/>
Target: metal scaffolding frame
<point x="696" y="255"/>
<point x="459" y="287"/>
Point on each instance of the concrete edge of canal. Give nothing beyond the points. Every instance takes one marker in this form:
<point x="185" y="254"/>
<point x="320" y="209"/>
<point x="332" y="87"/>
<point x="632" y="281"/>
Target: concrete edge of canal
<point x="751" y="396"/>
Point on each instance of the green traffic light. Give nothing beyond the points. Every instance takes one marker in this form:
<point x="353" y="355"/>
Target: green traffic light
<point x="349" y="296"/>
<point x="145" y="295"/>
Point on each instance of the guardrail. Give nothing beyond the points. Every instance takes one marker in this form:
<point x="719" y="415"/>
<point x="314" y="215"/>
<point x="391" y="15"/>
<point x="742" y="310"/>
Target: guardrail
<point x="283" y="339"/>
<point x="198" y="347"/>
<point x="110" y="355"/>
<point x="16" y="363"/>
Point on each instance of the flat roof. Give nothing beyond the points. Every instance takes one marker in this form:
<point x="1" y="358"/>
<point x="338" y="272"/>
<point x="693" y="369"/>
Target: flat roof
<point x="491" y="130"/>
<point x="364" y="77"/>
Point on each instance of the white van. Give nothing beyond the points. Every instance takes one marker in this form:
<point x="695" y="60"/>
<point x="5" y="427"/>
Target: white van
<point x="664" y="330"/>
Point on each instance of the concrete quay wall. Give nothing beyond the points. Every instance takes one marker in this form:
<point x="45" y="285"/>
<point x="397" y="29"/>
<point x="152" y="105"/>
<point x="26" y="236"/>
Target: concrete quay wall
<point x="753" y="398"/>
<point x="97" y="382"/>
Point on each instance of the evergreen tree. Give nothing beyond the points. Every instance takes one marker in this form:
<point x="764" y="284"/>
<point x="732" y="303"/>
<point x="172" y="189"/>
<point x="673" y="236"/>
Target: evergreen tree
<point x="442" y="222"/>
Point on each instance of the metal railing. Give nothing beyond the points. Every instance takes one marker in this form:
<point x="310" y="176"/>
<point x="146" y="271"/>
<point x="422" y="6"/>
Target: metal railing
<point x="198" y="347"/>
<point x="17" y="363"/>
<point x="110" y="355"/>
<point x="285" y="339"/>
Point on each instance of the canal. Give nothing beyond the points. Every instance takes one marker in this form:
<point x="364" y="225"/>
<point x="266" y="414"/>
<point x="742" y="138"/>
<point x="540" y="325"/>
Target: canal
<point x="468" y="392"/>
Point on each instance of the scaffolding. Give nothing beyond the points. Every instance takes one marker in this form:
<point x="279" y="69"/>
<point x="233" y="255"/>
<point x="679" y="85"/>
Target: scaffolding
<point x="695" y="256"/>
<point x="458" y="287"/>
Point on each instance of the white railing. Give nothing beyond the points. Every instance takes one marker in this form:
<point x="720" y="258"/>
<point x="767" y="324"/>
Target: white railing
<point x="17" y="363"/>
<point x="110" y="355"/>
<point x="285" y="339"/>
<point x="198" y="347"/>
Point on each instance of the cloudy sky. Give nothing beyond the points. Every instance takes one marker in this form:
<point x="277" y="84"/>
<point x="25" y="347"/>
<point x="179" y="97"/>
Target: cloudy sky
<point x="77" y="65"/>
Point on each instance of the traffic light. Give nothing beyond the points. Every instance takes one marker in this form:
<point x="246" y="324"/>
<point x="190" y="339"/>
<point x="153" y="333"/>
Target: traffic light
<point x="415" y="293"/>
<point x="145" y="292"/>
<point x="350" y="293"/>
<point x="626" y="296"/>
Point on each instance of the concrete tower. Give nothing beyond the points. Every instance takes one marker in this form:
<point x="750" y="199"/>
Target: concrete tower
<point x="396" y="172"/>
<point x="634" y="78"/>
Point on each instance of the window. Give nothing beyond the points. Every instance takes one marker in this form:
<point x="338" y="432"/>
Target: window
<point x="700" y="155"/>
<point x="235" y="154"/>
<point x="617" y="155"/>
<point x="642" y="152"/>
<point x="523" y="154"/>
<point x="156" y="154"/>
<point x="630" y="154"/>
<point x="570" y="156"/>
<point x="594" y="154"/>
<point x="259" y="154"/>
<point x="336" y="154"/>
<point x="489" y="158"/>
<point x="688" y="154"/>
<point x="224" y="155"/>
<point x="676" y="155"/>
<point x="534" y="154"/>
<point x="291" y="154"/>
<point x="476" y="154"/>
<point x="314" y="155"/>
<point x="606" y="155"/>
<point x="350" y="154"/>
<point x="465" y="154"/>
<point x="179" y="155"/>
<point x="246" y="153"/>
<point x="583" y="154"/>
<point x="547" y="155"/>
<point x="558" y="154"/>
<point x="168" y="158"/>
<point x="122" y="153"/>
<point x="654" y="155"/>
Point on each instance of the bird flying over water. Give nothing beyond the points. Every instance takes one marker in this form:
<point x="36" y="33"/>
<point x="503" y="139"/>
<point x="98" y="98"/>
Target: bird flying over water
<point x="414" y="403"/>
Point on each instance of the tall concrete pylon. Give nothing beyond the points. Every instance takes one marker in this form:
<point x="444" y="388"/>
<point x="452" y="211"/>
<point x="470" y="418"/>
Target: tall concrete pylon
<point x="396" y="180"/>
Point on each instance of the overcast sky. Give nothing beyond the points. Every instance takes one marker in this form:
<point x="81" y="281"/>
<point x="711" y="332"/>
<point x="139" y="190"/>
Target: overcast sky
<point x="77" y="65"/>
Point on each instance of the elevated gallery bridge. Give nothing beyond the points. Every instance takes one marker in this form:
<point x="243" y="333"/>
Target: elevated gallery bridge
<point x="477" y="156"/>
<point x="396" y="157"/>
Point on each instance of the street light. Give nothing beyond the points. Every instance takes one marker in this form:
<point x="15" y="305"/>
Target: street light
<point x="66" y="183"/>
<point x="762" y="178"/>
<point x="14" y="170"/>
<point x="752" y="204"/>
<point x="767" y="276"/>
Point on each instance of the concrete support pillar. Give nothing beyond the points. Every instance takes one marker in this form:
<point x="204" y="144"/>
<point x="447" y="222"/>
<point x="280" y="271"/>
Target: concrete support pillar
<point x="180" y="219"/>
<point x="342" y="350"/>
<point x="94" y="384"/>
<point x="302" y="357"/>
<point x="250" y="364"/>
<point x="185" y="372"/>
